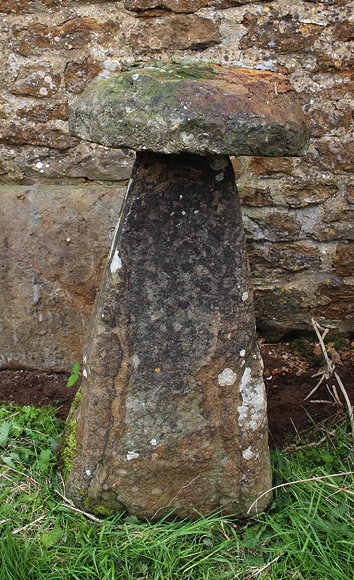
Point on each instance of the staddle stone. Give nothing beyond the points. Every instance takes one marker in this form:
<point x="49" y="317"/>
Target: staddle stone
<point x="172" y="415"/>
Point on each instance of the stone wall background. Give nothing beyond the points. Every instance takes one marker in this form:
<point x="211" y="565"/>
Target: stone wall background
<point x="58" y="194"/>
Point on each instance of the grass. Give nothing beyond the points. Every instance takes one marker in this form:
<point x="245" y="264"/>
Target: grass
<point x="307" y="533"/>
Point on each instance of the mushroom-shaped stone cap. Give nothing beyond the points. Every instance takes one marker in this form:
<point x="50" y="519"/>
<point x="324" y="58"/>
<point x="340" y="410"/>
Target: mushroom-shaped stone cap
<point x="196" y="108"/>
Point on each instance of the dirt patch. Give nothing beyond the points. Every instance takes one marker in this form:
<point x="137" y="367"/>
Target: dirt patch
<point x="38" y="389"/>
<point x="288" y="378"/>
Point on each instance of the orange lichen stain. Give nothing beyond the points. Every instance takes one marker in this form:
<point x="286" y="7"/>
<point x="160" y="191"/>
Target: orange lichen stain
<point x="157" y="370"/>
<point x="330" y="232"/>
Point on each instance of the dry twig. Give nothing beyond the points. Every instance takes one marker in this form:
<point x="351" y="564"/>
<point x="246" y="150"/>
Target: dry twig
<point x="319" y="478"/>
<point x="28" y="526"/>
<point x="328" y="371"/>
<point x="260" y="570"/>
<point x="69" y="505"/>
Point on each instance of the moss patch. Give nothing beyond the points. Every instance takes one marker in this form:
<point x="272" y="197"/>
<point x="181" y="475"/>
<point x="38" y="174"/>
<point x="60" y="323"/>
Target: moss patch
<point x="104" y="505"/>
<point x="68" y="450"/>
<point x="69" y="446"/>
<point x="76" y="402"/>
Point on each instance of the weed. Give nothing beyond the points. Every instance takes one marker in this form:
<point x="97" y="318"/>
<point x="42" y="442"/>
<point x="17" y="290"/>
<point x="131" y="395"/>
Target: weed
<point x="75" y="375"/>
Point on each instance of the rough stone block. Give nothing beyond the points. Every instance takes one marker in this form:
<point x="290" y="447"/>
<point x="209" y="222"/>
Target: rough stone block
<point x="15" y="134"/>
<point x="42" y="114"/>
<point x="338" y="301"/>
<point x="271" y="165"/>
<point x="53" y="249"/>
<point x="174" y="32"/>
<point x="87" y="161"/>
<point x="196" y="108"/>
<point x="343" y="261"/>
<point x="272" y="225"/>
<point x="78" y="75"/>
<point x="39" y="82"/>
<point x="181" y="5"/>
<point x="256" y="196"/>
<point x="76" y="33"/>
<point x="293" y="257"/>
<point x="23" y="6"/>
<point x="272" y="31"/>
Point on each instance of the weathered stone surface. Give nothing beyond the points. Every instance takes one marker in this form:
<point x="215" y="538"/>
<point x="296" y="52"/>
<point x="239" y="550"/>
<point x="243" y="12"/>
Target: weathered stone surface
<point x="78" y="75"/>
<point x="36" y="81"/>
<point x="181" y="5"/>
<point x="293" y="257"/>
<point x="171" y="364"/>
<point x="276" y="308"/>
<point x="336" y="155"/>
<point x="84" y="213"/>
<point x="328" y="60"/>
<point x="328" y="120"/>
<point x="52" y="253"/>
<point x="88" y="161"/>
<point x="196" y="108"/>
<point x="271" y="166"/>
<point x="308" y="194"/>
<point x="42" y="114"/>
<point x="272" y="225"/>
<point x="333" y="211"/>
<point x="22" y="135"/>
<point x="255" y="196"/>
<point x="72" y="34"/>
<point x="349" y="193"/>
<point x="339" y="301"/>
<point x="174" y="31"/>
<point x="19" y="6"/>
<point x="345" y="31"/>
<point x="283" y="34"/>
<point x="14" y="5"/>
<point x="343" y="261"/>
<point x="334" y="231"/>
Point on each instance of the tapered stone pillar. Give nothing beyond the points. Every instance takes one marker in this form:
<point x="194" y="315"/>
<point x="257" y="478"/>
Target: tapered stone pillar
<point x="173" y="409"/>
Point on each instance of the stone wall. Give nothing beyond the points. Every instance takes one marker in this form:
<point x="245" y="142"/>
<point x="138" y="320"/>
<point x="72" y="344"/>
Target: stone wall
<point x="58" y="194"/>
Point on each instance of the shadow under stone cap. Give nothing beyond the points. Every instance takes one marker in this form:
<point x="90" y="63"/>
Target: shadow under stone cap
<point x="193" y="107"/>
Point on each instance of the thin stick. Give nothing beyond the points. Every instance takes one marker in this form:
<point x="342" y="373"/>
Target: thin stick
<point x="333" y="392"/>
<point x="28" y="526"/>
<point x="327" y="372"/>
<point x="258" y="572"/>
<point x="19" y="472"/>
<point x="345" y="489"/>
<point x="69" y="504"/>
<point x="322" y="401"/>
<point x="295" y="428"/>
<point x="322" y="373"/>
<point x="312" y="444"/>
<point x="9" y="417"/>
<point x="87" y="515"/>
<point x="320" y="337"/>
<point x="298" y="481"/>
<point x="21" y="487"/>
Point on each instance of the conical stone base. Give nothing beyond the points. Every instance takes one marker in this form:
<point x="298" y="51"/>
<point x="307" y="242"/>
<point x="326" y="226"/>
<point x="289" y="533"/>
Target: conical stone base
<point x="173" y="408"/>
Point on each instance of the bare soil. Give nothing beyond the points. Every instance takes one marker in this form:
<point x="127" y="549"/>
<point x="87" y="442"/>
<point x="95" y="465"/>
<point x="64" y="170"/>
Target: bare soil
<point x="288" y="377"/>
